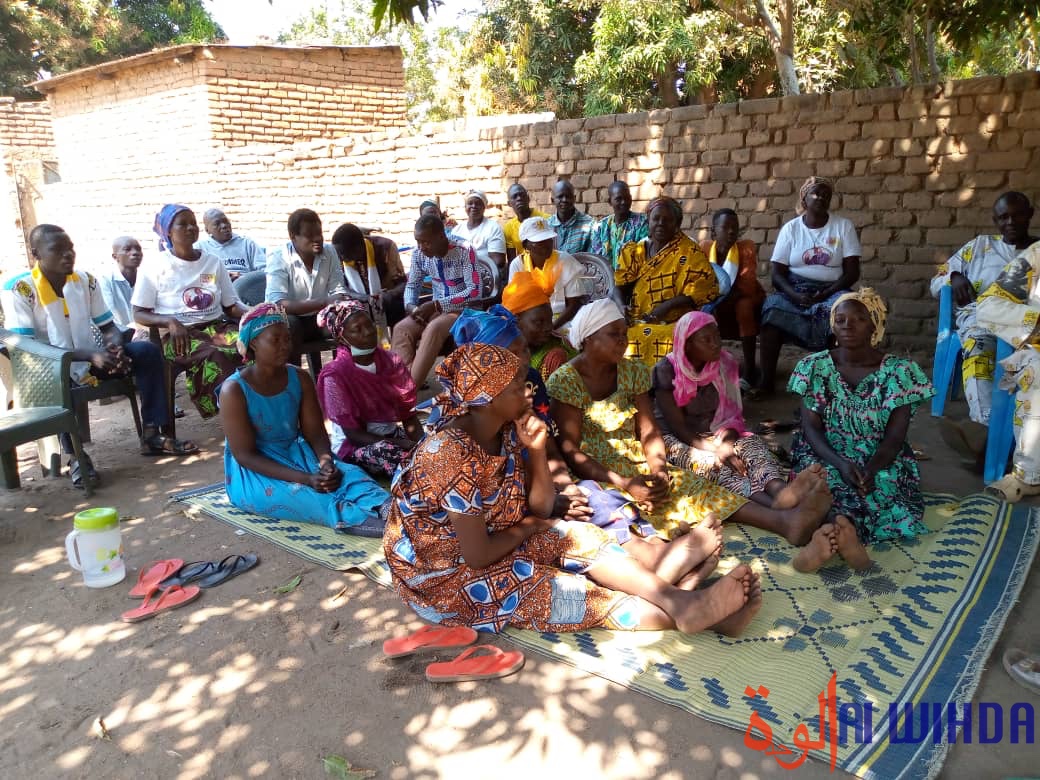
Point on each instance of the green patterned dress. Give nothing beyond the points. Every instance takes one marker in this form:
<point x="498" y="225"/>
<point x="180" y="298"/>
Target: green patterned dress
<point x="854" y="421"/>
<point x="608" y="435"/>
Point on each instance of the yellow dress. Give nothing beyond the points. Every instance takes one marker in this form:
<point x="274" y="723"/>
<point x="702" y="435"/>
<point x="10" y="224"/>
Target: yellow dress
<point x="608" y="435"/>
<point x="680" y="268"/>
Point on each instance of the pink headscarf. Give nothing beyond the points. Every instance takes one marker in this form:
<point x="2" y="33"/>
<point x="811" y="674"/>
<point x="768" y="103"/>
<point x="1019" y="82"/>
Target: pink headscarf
<point x="723" y="374"/>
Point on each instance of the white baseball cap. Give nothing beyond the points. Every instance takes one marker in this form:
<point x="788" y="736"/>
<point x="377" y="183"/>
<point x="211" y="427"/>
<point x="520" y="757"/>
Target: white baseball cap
<point x="536" y="229"/>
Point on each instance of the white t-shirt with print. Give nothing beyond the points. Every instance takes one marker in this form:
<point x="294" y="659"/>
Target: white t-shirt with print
<point x="485" y="238"/>
<point x="817" y="253"/>
<point x="568" y="285"/>
<point x="192" y="291"/>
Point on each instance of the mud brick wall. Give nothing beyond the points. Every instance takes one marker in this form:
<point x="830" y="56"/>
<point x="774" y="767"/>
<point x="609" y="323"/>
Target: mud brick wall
<point x="26" y="151"/>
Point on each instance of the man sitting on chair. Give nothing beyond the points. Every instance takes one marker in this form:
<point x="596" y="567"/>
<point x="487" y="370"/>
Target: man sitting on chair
<point x="452" y="268"/>
<point x="57" y="305"/>
<point x="241" y="255"/>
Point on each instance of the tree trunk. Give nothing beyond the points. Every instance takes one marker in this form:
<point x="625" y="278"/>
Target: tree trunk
<point x="667" y="85"/>
<point x="915" y="57"/>
<point x="929" y="40"/>
<point x="781" y="40"/>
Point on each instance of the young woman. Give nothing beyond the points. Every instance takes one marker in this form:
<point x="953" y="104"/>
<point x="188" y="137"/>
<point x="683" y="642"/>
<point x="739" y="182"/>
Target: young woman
<point x="530" y="303"/>
<point x="277" y="459"/>
<point x="857" y="405"/>
<point x="187" y="293"/>
<point x="469" y="538"/>
<point x="601" y="403"/>
<point x="698" y="407"/>
<point x="367" y="393"/>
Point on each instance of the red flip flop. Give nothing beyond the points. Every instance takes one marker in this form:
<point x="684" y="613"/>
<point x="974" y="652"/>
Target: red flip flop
<point x="483" y="662"/>
<point x="429" y="638"/>
<point x="171" y="598"/>
<point x="151" y="575"/>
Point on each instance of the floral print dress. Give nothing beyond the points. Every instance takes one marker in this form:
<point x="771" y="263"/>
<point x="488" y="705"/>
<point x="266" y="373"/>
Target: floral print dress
<point x="854" y="421"/>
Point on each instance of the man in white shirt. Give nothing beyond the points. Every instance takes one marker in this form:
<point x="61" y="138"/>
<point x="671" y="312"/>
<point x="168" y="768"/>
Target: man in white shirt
<point x="305" y="276"/>
<point x="241" y="255"/>
<point x="117" y="284"/>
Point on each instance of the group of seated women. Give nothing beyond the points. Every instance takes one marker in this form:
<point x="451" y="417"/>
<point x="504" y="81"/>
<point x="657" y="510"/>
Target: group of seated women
<point x="578" y="465"/>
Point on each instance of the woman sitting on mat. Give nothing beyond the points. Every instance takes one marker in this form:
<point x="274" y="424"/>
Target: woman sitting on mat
<point x="187" y="293"/>
<point x="277" y="458"/>
<point x="698" y="408"/>
<point x="602" y="406"/>
<point x="525" y="298"/>
<point x="857" y="405"/>
<point x="367" y="393"/>
<point x="469" y="540"/>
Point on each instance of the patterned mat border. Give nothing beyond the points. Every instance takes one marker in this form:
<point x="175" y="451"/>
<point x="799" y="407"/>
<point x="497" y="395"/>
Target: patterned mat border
<point x="1011" y="545"/>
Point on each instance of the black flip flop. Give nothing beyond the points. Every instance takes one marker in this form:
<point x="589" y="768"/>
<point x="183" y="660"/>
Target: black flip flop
<point x="230" y="567"/>
<point x="189" y="572"/>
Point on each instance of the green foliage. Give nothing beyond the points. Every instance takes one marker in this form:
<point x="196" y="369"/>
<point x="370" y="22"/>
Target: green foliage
<point x="56" y="36"/>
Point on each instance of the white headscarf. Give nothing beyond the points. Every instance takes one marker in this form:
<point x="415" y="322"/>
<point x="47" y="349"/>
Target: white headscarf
<point x="591" y="317"/>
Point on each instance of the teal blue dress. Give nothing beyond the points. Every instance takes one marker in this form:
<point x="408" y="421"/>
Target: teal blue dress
<point x="353" y="508"/>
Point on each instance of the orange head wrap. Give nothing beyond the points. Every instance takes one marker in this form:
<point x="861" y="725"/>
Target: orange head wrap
<point x="523" y="293"/>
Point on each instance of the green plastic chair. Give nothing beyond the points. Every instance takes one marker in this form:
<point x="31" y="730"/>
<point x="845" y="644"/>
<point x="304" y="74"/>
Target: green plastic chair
<point x="43" y="402"/>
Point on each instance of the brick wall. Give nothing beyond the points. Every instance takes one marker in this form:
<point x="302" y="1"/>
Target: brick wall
<point x="28" y="161"/>
<point x="917" y="170"/>
<point x="275" y="95"/>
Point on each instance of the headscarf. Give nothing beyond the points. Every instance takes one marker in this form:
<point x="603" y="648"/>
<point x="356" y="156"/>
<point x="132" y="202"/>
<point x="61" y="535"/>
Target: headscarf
<point x="334" y="316"/>
<point x="723" y="374"/>
<point x="496" y="326"/>
<point x="664" y="200"/>
<point x="523" y="293"/>
<point x="590" y="318"/>
<point x="476" y="194"/>
<point x="809" y="183"/>
<point x="259" y="318"/>
<point x="434" y="201"/>
<point x="163" y="221"/>
<point x="472" y="376"/>
<point x="875" y="306"/>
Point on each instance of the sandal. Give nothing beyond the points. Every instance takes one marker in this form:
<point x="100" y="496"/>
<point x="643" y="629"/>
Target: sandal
<point x="230" y="567"/>
<point x="171" y="598"/>
<point x="167" y="445"/>
<point x="78" y="468"/>
<point x="429" y="638"/>
<point x="1023" y="668"/>
<point x="189" y="572"/>
<point x="482" y="662"/>
<point x="1012" y="489"/>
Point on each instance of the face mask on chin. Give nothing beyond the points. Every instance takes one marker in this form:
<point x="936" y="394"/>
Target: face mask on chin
<point x="359" y="352"/>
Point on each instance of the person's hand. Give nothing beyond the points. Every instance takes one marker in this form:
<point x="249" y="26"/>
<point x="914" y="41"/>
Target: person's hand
<point x="572" y="504"/>
<point x="659" y="312"/>
<point x="178" y="337"/>
<point x="106" y="361"/>
<point x="328" y="476"/>
<point x="647" y="491"/>
<point x="867" y="474"/>
<point x="726" y="453"/>
<point x="852" y="475"/>
<point x="425" y="312"/>
<point x="331" y="299"/>
<point x="963" y="291"/>
<point x="802" y="299"/>
<point x="531" y="431"/>
<point x="532" y="524"/>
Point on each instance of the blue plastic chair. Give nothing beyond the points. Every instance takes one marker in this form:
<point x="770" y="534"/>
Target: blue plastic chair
<point x="1001" y="439"/>
<point x="946" y="368"/>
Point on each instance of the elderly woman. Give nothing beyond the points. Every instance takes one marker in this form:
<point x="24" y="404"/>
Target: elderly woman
<point x="601" y="403"/>
<point x="366" y="393"/>
<point x="484" y="235"/>
<point x="816" y="260"/>
<point x="659" y="279"/>
<point x="469" y="539"/>
<point x="698" y="408"/>
<point x="277" y="459"/>
<point x="187" y="292"/>
<point x="526" y="299"/>
<point x="857" y="403"/>
<point x="557" y="273"/>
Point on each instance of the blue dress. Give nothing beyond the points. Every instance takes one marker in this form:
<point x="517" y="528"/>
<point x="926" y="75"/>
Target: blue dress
<point x="276" y="423"/>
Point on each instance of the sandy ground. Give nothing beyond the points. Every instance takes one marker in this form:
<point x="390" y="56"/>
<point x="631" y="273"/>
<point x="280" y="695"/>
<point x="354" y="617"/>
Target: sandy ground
<point x="250" y="683"/>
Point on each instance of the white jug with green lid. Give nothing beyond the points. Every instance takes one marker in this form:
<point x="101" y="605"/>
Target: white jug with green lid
<point x="95" y="547"/>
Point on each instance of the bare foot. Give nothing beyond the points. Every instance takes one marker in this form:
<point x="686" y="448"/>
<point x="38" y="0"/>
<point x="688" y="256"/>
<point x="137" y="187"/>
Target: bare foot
<point x="792" y="493"/>
<point x="735" y="624"/>
<point x="804" y="519"/>
<point x="850" y="547"/>
<point x="699" y="574"/>
<point x="822" y="547"/>
<point x="708" y="607"/>
<point x="683" y="554"/>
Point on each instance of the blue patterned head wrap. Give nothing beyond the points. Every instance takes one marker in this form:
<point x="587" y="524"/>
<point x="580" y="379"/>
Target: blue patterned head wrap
<point x="259" y="318"/>
<point x="497" y="327"/>
<point x="163" y="220"/>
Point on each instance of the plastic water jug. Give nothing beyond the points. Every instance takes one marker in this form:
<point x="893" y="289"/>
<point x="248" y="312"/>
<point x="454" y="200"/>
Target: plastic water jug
<point x="95" y="547"/>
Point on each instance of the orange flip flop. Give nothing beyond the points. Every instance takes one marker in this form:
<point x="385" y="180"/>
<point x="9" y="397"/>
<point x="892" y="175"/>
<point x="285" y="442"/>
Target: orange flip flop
<point x="483" y="662"/>
<point x="151" y="575"/>
<point x="429" y="638"/>
<point x="171" y="598"/>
